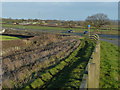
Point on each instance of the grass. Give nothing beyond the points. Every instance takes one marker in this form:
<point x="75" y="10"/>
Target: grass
<point x="3" y="38"/>
<point x="109" y="66"/>
<point x="57" y="29"/>
<point x="46" y="76"/>
<point x="35" y="84"/>
<point x="108" y="38"/>
<point x="43" y="28"/>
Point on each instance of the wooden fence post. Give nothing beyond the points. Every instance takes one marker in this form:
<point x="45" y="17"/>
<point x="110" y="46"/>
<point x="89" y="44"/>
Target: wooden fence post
<point x="91" y="75"/>
<point x="98" y="65"/>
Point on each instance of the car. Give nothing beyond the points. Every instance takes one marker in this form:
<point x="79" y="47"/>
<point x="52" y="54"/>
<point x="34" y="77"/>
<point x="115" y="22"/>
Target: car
<point x="70" y="31"/>
<point x="85" y="32"/>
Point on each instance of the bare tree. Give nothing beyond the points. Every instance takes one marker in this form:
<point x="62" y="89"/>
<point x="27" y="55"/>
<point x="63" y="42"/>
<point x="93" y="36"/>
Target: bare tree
<point x="98" y="20"/>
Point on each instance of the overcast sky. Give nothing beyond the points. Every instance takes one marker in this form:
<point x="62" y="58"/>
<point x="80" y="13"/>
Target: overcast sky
<point x="58" y="10"/>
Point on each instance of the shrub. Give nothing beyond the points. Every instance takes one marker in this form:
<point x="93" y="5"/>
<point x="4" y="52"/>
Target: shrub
<point x="27" y="87"/>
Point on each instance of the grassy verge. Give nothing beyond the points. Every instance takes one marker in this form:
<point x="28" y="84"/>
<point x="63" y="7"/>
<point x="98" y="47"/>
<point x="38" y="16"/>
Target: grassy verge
<point x="3" y="38"/>
<point x="109" y="65"/>
<point x="112" y="32"/>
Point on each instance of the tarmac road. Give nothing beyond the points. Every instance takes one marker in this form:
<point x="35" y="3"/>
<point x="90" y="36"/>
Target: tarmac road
<point x="116" y="42"/>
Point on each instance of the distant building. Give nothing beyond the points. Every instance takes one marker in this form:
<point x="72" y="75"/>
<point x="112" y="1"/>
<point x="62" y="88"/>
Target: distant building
<point x="43" y="22"/>
<point x="25" y="23"/>
<point x="52" y="24"/>
<point x="35" y="23"/>
<point x="15" y="23"/>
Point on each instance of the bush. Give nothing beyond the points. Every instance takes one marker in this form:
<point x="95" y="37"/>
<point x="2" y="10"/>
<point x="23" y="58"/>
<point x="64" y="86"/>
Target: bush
<point x="27" y="87"/>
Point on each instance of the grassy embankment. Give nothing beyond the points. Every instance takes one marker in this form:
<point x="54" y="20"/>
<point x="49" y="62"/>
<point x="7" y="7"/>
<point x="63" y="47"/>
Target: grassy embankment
<point x="109" y="66"/>
<point x="57" y="28"/>
<point x="3" y="38"/>
<point x="68" y="73"/>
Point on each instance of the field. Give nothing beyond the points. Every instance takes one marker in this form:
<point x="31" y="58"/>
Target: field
<point x="109" y="73"/>
<point x="41" y="61"/>
<point x="23" y="58"/>
<point x="58" y="29"/>
<point x="2" y="37"/>
<point x="49" y="60"/>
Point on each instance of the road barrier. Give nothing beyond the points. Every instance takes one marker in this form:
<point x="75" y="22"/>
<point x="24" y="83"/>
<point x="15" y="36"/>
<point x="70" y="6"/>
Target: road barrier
<point x="91" y="76"/>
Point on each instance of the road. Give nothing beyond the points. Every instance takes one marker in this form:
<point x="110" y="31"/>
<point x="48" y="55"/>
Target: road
<point x="114" y="39"/>
<point x="115" y="42"/>
<point x="111" y="38"/>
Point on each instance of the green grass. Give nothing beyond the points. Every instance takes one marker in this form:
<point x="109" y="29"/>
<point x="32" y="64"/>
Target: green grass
<point x="3" y="38"/>
<point x="46" y="76"/>
<point x="37" y="83"/>
<point x="108" y="38"/>
<point x="53" y="71"/>
<point x="43" y="27"/>
<point x="57" y="29"/>
<point x="109" y="66"/>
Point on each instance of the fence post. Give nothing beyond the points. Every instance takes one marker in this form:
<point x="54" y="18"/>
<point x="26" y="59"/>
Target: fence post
<point x="98" y="64"/>
<point x="91" y="75"/>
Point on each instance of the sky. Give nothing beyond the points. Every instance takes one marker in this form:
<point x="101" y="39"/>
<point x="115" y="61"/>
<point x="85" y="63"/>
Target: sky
<point x="58" y="10"/>
<point x="60" y="0"/>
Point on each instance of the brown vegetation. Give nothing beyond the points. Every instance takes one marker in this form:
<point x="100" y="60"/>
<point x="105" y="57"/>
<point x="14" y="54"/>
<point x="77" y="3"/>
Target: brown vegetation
<point x="34" y="55"/>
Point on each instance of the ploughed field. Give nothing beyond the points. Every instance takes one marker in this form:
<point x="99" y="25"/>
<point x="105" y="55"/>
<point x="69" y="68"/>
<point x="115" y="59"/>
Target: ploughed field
<point x="35" y="62"/>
